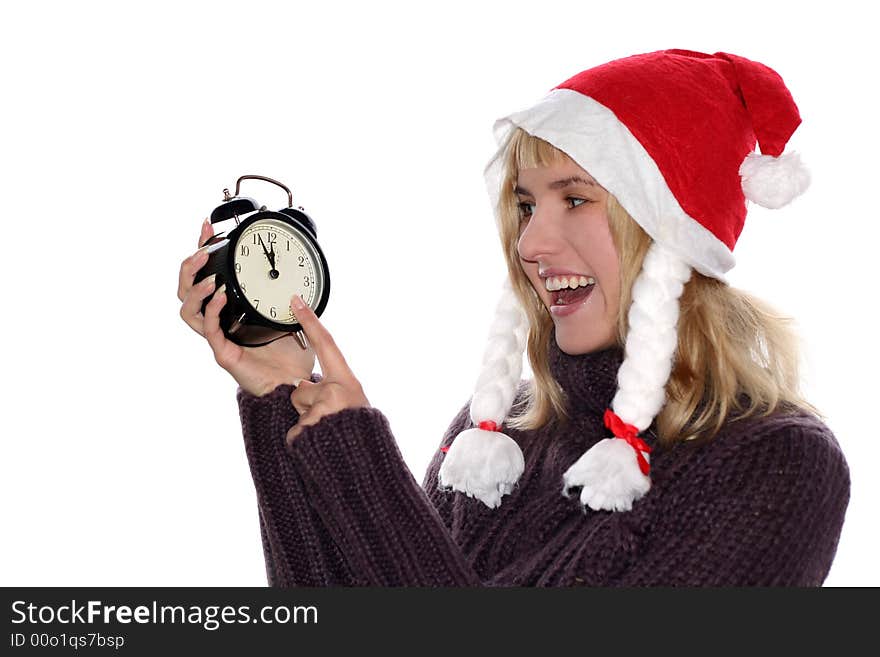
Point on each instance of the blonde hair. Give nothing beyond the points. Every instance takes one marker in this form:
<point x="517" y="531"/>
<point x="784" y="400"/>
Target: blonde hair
<point x="736" y="356"/>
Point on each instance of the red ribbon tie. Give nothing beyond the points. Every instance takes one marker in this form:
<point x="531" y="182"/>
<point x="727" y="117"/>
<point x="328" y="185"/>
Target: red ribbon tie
<point x="630" y="434"/>
<point x="485" y="425"/>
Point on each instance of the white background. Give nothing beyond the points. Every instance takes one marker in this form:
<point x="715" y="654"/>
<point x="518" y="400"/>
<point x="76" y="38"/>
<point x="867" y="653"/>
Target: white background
<point x="122" y="459"/>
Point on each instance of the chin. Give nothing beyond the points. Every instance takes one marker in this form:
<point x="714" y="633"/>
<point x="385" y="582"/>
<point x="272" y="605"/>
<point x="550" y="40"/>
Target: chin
<point x="582" y="344"/>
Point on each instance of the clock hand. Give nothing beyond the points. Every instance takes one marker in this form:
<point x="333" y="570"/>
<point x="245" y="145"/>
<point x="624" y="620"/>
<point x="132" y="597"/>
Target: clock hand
<point x="271" y="255"/>
<point x="265" y="250"/>
<point x="273" y="273"/>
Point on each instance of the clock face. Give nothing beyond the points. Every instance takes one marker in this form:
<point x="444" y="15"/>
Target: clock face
<point x="273" y="261"/>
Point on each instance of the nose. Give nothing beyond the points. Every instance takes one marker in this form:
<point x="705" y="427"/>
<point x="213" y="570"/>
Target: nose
<point x="541" y="236"/>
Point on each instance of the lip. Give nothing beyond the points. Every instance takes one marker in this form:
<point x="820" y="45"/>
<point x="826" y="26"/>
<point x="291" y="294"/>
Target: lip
<point x="568" y="309"/>
<point x="558" y="271"/>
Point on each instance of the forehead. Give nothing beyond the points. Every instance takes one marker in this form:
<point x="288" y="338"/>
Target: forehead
<point x="560" y="175"/>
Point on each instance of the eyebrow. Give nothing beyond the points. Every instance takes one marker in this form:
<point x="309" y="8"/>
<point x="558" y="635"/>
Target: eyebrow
<point x="559" y="184"/>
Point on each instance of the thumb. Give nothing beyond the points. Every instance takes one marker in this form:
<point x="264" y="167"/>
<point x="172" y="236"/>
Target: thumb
<point x="298" y="386"/>
<point x="301" y="398"/>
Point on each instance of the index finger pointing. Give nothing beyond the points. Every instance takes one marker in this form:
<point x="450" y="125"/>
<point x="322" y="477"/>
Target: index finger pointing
<point x="328" y="354"/>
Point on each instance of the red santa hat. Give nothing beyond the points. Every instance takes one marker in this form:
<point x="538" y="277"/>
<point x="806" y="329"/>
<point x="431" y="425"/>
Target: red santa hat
<point x="671" y="134"/>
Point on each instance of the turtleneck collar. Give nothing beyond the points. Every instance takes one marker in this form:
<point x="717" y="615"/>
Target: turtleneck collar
<point x="589" y="380"/>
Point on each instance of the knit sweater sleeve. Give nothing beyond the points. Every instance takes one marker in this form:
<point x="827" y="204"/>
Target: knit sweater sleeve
<point x="767" y="511"/>
<point x="340" y="507"/>
<point x="297" y="548"/>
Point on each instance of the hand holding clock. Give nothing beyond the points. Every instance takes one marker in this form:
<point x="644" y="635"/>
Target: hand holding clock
<point x="258" y="371"/>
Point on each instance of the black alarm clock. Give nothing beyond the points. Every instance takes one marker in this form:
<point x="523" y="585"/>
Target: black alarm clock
<point x="263" y="261"/>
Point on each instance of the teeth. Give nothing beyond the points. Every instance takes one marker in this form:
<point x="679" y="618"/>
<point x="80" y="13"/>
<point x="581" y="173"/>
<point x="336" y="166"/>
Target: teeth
<point x="554" y="283"/>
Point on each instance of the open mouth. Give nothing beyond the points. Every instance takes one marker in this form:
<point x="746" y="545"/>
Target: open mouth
<point x="568" y="296"/>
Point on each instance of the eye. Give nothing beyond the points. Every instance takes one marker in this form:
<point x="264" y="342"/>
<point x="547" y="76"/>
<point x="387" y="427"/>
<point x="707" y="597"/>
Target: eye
<point x="576" y="202"/>
<point x="525" y="210"/>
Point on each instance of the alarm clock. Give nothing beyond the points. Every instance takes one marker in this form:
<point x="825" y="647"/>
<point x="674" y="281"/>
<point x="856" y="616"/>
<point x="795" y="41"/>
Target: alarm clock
<point x="264" y="260"/>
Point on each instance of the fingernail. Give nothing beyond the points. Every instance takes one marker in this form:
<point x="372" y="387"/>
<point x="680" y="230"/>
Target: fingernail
<point x="297" y="303"/>
<point x="209" y="280"/>
<point x="221" y="289"/>
<point x="296" y="382"/>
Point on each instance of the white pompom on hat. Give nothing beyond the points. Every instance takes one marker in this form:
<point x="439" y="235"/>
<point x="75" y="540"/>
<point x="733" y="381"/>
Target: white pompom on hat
<point x="671" y="134"/>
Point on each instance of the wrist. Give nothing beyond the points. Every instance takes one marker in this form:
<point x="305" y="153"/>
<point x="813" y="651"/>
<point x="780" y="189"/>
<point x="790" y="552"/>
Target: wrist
<point x="264" y="393"/>
<point x="259" y="389"/>
<point x="263" y="389"/>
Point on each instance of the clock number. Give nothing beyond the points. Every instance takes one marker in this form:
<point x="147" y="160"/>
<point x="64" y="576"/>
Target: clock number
<point x="257" y="304"/>
<point x="272" y="311"/>
<point x="288" y="245"/>
<point x="301" y="261"/>
<point x="306" y="281"/>
<point x="237" y="267"/>
<point x="271" y="238"/>
<point x="245" y="250"/>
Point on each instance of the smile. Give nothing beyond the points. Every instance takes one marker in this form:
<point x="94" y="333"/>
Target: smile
<point x="554" y="283"/>
<point x="568" y="301"/>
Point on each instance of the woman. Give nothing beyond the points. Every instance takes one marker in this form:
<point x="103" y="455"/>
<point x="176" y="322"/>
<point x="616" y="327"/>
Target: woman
<point x="666" y="399"/>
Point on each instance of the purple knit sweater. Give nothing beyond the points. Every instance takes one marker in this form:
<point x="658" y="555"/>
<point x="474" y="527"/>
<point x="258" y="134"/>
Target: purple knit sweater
<point x="762" y="503"/>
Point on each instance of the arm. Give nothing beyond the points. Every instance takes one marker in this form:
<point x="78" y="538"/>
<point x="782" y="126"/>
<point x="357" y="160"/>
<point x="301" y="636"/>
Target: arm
<point x="318" y="528"/>
<point x="296" y="546"/>
<point x="355" y="478"/>
<point x="769" y="513"/>
<point x="387" y="528"/>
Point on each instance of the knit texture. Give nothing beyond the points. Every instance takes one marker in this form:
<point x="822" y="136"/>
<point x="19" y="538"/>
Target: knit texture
<point x="761" y="504"/>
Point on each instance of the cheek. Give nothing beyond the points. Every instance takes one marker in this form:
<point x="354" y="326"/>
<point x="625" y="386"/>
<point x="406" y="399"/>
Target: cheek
<point x="531" y="272"/>
<point x="611" y="276"/>
<point x="612" y="285"/>
<point x="597" y="248"/>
